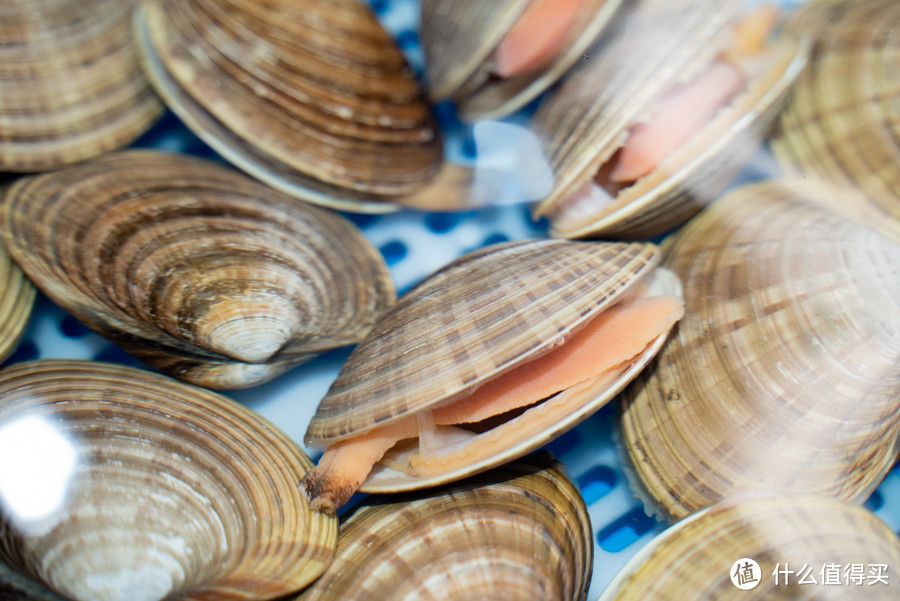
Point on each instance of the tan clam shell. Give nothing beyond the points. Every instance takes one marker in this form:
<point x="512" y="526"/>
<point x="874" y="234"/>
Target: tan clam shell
<point x="486" y="312"/>
<point x="459" y="37"/>
<point x="841" y="122"/>
<point x="194" y="268"/>
<point x="694" y="559"/>
<point x="588" y="117"/>
<point x="70" y="84"/>
<point x="171" y="491"/>
<point x="16" y="302"/>
<point x="784" y="373"/>
<point x="313" y="98"/>
<point x="520" y="531"/>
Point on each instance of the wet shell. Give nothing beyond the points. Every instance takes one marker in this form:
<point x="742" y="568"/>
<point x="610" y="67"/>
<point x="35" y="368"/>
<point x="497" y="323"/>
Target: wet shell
<point x="194" y="268"/>
<point x="484" y="314"/>
<point x="520" y="531"/>
<point x="694" y="559"/>
<point x="16" y="302"/>
<point x="313" y="98"/>
<point x="785" y="372"/>
<point x="459" y="38"/>
<point x="841" y="122"/>
<point x="588" y="119"/>
<point x="156" y="487"/>
<point x="70" y="84"/>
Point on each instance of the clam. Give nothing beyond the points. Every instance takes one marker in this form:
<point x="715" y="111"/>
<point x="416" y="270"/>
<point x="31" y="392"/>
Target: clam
<point x="194" y="268"/>
<point x="70" y="84"/>
<point x="494" y="57"/>
<point x="313" y="98"/>
<point x="520" y="531"/>
<point x="150" y="489"/>
<point x="785" y="372"/>
<point x="16" y="302"/>
<point x="842" y="118"/>
<point x="662" y="116"/>
<point x="459" y="372"/>
<point x="805" y="547"/>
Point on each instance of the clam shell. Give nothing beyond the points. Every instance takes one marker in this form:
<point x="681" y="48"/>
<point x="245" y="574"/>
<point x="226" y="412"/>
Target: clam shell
<point x="485" y="313"/>
<point x="520" y="531"/>
<point x="588" y="117"/>
<point x="194" y="268"/>
<point x="16" y="302"/>
<point x="313" y="98"/>
<point x="157" y="489"/>
<point x="70" y="84"/>
<point x="785" y="372"/>
<point x="459" y="38"/>
<point x="840" y="123"/>
<point x="693" y="560"/>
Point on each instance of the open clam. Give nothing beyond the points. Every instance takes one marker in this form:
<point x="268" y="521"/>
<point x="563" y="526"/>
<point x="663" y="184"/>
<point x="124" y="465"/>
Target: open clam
<point x="194" y="268"/>
<point x="785" y="372"/>
<point x="494" y="57"/>
<point x="804" y="548"/>
<point x="520" y="531"/>
<point x="313" y="98"/>
<point x="16" y="302"/>
<point x="150" y="489"/>
<point x="70" y="84"/>
<point x="460" y="371"/>
<point x="662" y="116"/>
<point x="841" y="121"/>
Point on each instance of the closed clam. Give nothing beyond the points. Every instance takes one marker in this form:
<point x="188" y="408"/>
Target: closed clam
<point x="194" y="268"/>
<point x="150" y="489"/>
<point x="520" y="531"/>
<point x="459" y="372"/>
<point x="494" y="57"/>
<point x="662" y="116"/>
<point x="820" y="548"/>
<point x="785" y="372"/>
<point x="313" y="98"/>
<point x="16" y="302"/>
<point x="842" y="117"/>
<point x="70" y="84"/>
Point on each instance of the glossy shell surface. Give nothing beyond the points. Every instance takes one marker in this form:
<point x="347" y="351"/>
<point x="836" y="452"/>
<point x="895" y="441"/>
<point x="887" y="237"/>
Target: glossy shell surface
<point x="195" y="268"/>
<point x="520" y="531"/>
<point x="152" y="489"/>
<point x="785" y="372"/>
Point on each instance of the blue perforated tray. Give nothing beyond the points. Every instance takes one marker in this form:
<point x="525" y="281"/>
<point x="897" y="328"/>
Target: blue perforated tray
<point x="414" y="245"/>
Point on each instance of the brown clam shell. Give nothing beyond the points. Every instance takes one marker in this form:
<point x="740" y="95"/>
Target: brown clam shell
<point x="487" y="312"/>
<point x="459" y="37"/>
<point x="587" y="120"/>
<point x="841" y="122"/>
<point x="840" y="543"/>
<point x="784" y="373"/>
<point x="165" y="490"/>
<point x="194" y="268"/>
<point x="520" y="531"/>
<point x="16" y="302"/>
<point x="313" y="98"/>
<point x="70" y="84"/>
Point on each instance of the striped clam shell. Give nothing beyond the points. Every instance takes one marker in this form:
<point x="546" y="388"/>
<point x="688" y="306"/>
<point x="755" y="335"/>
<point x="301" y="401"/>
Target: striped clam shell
<point x="194" y="268"/>
<point x="16" y="302"/>
<point x="785" y="372"/>
<point x="70" y="84"/>
<point x="485" y="313"/>
<point x="151" y="489"/>
<point x="520" y="531"/>
<point x="703" y="557"/>
<point x="313" y="98"/>
<point x="841" y="122"/>
<point x="459" y="38"/>
<point x="587" y="119"/>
